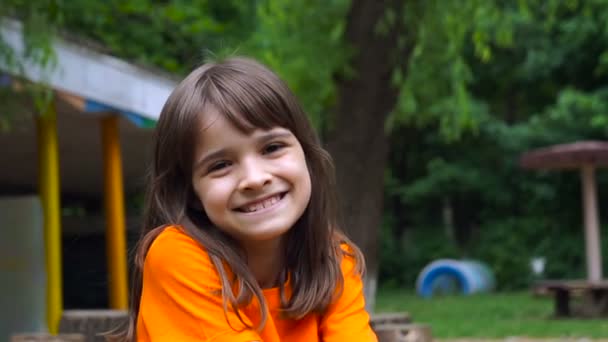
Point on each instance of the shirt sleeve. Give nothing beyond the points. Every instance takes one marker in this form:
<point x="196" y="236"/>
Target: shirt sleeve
<point x="346" y="319"/>
<point x="181" y="298"/>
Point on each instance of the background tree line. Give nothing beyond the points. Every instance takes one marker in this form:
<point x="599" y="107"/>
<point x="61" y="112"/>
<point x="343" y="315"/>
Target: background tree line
<point x="425" y="106"/>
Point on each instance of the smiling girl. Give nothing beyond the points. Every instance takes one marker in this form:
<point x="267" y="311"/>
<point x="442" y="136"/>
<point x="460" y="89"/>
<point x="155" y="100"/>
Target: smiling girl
<point x="240" y="239"/>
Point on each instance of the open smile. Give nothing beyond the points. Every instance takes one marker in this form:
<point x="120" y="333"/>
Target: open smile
<point x="263" y="205"/>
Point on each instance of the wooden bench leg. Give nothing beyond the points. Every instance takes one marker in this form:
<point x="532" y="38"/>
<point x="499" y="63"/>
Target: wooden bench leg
<point x="601" y="297"/>
<point x="562" y="303"/>
<point x="595" y="303"/>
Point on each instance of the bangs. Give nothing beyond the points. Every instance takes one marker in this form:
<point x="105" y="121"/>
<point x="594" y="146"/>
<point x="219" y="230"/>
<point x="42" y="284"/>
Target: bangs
<point x="247" y="101"/>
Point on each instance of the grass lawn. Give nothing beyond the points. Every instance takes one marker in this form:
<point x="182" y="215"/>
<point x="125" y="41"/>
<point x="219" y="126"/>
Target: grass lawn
<point x="497" y="315"/>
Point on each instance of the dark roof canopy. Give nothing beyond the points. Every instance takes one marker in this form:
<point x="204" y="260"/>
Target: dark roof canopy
<point x="567" y="156"/>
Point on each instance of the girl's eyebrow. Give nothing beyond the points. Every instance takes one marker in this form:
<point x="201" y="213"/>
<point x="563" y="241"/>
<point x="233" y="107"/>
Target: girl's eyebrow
<point x="261" y="139"/>
<point x="208" y="157"/>
<point x="272" y="135"/>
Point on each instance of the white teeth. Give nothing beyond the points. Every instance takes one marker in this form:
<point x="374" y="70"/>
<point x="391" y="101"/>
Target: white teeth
<point x="261" y="205"/>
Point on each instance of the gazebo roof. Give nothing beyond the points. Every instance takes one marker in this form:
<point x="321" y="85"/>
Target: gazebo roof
<point x="567" y="156"/>
<point x="96" y="77"/>
<point x="87" y="85"/>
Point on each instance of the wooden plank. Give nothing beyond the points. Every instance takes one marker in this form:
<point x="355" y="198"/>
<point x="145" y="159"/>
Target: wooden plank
<point x="36" y="337"/>
<point x="93" y="324"/>
<point x="404" y="333"/>
<point x="570" y="284"/>
<point x="390" y="318"/>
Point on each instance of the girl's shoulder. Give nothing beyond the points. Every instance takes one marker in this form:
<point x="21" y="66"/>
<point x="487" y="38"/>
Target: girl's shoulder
<point x="349" y="261"/>
<point x="352" y="261"/>
<point x="174" y="251"/>
<point x="172" y="241"/>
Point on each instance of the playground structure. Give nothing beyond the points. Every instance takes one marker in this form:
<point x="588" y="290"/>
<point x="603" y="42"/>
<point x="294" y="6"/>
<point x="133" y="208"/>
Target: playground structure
<point x="585" y="156"/>
<point x="450" y="276"/>
<point x="97" y="101"/>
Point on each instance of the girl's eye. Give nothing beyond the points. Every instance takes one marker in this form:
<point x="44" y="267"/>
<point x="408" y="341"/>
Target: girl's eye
<point x="219" y="166"/>
<point x="273" y="147"/>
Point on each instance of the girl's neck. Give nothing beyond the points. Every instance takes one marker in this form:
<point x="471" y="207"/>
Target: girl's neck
<point x="265" y="260"/>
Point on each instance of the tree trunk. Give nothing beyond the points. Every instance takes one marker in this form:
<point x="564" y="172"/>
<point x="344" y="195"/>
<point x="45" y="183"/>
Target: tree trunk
<point x="357" y="140"/>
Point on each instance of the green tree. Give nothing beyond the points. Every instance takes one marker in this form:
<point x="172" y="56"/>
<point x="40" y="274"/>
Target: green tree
<point x="366" y="70"/>
<point x="547" y="86"/>
<point x="39" y="21"/>
<point x="348" y="60"/>
<point x="378" y="65"/>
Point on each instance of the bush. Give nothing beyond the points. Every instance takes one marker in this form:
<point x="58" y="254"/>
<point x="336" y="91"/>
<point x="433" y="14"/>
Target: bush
<point x="403" y="257"/>
<point x="506" y="246"/>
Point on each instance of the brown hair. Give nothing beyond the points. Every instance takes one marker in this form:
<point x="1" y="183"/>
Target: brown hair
<point x="250" y="96"/>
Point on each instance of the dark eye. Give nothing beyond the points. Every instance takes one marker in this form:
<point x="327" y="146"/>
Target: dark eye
<point x="219" y="165"/>
<point x="273" y="147"/>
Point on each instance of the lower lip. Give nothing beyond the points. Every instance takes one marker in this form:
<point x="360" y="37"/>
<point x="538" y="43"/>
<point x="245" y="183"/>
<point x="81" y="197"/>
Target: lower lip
<point x="265" y="210"/>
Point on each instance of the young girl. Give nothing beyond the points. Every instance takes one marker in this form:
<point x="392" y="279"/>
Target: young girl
<point x="240" y="239"/>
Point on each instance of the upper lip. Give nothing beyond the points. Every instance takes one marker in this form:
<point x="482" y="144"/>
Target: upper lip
<point x="259" y="200"/>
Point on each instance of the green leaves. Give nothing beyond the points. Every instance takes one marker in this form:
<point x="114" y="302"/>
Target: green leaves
<point x="303" y="42"/>
<point x="39" y="22"/>
<point x="172" y="35"/>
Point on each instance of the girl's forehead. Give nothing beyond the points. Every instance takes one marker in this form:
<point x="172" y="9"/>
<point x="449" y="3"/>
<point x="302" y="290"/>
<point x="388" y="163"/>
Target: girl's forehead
<point x="245" y="120"/>
<point x="217" y="128"/>
<point x="213" y="120"/>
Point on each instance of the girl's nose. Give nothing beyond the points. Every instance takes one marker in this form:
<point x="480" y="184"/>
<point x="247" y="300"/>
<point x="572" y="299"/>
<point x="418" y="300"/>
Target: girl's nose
<point x="254" y="175"/>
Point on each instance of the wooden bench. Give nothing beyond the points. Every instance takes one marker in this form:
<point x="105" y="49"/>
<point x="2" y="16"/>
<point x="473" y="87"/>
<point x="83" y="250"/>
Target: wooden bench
<point x="593" y="295"/>
<point x="390" y="318"/>
<point x="38" y="337"/>
<point x="398" y="327"/>
<point x="403" y="333"/>
<point x="93" y="324"/>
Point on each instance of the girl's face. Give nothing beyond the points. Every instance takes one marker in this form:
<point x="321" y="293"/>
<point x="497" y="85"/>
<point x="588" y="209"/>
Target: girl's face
<point x="252" y="186"/>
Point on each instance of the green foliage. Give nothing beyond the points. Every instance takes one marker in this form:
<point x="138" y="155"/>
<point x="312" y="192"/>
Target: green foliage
<point x="404" y="256"/>
<point x="173" y="35"/>
<point x="542" y="86"/>
<point x="436" y="88"/>
<point x="509" y="245"/>
<point x="503" y="215"/>
<point x="303" y="42"/>
<point x="39" y="19"/>
<point x="486" y="81"/>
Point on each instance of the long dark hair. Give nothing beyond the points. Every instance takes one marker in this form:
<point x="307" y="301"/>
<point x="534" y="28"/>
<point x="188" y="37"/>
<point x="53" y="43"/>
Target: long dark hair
<point x="251" y="97"/>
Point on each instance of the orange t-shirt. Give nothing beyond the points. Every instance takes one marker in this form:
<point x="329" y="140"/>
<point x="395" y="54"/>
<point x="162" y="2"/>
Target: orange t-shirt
<point x="180" y="302"/>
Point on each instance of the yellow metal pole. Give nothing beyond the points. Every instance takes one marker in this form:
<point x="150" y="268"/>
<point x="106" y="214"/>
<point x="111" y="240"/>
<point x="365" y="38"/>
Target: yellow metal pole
<point x="48" y="173"/>
<point x="116" y="246"/>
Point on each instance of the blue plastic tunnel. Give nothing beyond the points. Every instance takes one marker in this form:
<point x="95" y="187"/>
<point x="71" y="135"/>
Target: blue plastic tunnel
<point x="448" y="276"/>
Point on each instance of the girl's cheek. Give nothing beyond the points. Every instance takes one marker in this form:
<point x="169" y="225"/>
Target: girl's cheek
<point x="222" y="187"/>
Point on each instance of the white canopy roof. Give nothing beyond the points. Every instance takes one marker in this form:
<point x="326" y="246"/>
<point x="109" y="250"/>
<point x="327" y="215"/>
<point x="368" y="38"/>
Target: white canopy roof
<point x="85" y="82"/>
<point x="95" y="76"/>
